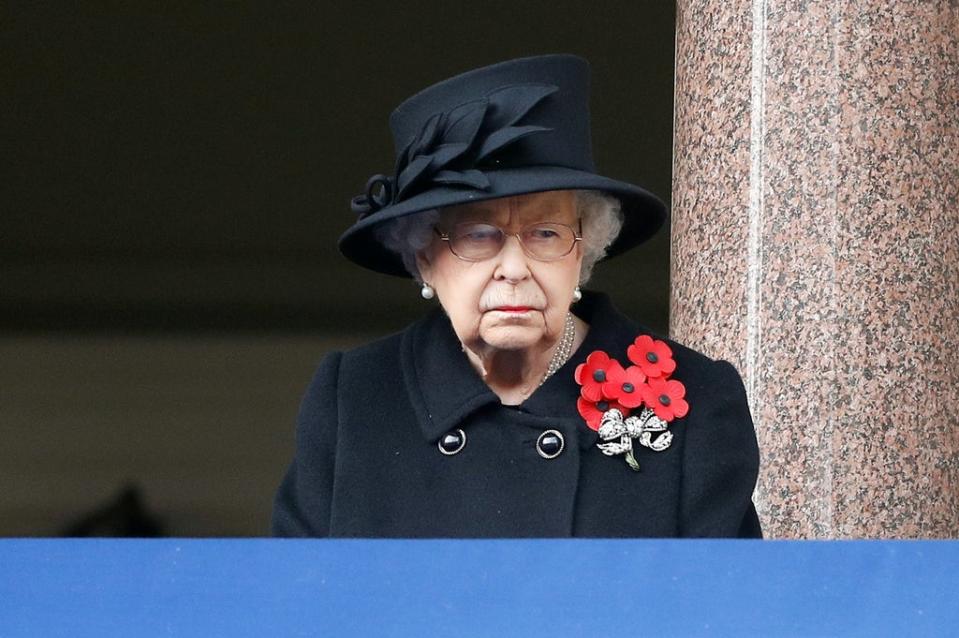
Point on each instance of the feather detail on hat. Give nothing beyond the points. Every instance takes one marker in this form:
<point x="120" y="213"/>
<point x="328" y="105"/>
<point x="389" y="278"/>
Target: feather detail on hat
<point x="452" y="147"/>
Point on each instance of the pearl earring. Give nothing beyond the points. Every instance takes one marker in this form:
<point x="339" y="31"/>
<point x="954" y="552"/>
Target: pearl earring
<point x="577" y="294"/>
<point x="427" y="291"/>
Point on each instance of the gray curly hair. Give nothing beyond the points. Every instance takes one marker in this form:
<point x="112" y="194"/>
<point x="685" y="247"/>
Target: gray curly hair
<point x="600" y="214"/>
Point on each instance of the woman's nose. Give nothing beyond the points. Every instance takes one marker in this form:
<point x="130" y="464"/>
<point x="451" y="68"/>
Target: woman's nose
<point x="513" y="262"/>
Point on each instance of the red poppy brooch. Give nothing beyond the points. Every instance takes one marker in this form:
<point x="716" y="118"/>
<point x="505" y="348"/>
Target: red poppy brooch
<point x="609" y="393"/>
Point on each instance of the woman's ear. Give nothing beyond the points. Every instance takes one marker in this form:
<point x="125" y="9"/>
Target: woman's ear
<point x="424" y="265"/>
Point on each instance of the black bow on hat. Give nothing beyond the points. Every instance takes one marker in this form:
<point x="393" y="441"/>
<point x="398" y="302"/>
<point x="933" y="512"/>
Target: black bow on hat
<point x="516" y="127"/>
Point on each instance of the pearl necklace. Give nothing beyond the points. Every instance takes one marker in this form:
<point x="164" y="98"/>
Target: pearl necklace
<point x="563" y="350"/>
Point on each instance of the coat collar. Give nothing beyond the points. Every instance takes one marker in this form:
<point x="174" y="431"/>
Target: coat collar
<point x="445" y="389"/>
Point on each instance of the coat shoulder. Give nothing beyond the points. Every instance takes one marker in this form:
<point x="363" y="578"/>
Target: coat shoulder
<point x="376" y="359"/>
<point x="696" y="368"/>
<point x="377" y="350"/>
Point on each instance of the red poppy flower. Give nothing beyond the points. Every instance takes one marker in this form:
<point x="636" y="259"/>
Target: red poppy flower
<point x="593" y="411"/>
<point x="592" y="374"/>
<point x="665" y="398"/>
<point x="624" y="385"/>
<point x="653" y="356"/>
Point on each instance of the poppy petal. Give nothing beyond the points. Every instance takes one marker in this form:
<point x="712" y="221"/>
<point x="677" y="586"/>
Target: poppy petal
<point x="680" y="408"/>
<point x="592" y="391"/>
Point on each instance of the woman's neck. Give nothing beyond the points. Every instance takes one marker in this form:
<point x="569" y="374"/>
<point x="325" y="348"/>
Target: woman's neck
<point x="513" y="375"/>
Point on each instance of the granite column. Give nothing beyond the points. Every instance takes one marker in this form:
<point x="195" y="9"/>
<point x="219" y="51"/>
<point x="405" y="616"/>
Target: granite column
<point x="815" y="244"/>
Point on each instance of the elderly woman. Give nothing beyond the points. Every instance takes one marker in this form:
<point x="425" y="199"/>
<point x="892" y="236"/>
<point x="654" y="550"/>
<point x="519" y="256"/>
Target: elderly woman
<point x="522" y="405"/>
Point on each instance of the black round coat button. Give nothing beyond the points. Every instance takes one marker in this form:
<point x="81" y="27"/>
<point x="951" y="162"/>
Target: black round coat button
<point x="452" y="442"/>
<point x="550" y="444"/>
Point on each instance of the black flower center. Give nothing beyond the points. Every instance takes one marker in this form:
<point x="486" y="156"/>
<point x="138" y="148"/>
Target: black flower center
<point x="664" y="399"/>
<point x="599" y="376"/>
<point x="651" y="357"/>
<point x="628" y="387"/>
<point x="602" y="406"/>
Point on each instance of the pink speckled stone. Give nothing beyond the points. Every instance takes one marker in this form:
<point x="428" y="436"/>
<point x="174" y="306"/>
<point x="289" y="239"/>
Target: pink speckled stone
<point x="815" y="241"/>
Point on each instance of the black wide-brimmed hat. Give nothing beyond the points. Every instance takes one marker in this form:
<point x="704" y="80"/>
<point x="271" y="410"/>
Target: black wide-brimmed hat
<point x="517" y="127"/>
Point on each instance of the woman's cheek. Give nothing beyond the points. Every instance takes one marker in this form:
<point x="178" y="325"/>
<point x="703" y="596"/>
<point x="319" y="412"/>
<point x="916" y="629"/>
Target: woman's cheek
<point x="464" y="315"/>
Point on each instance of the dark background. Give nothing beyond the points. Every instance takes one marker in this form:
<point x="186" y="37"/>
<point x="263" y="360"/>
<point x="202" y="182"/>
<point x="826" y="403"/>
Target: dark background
<point x="174" y="181"/>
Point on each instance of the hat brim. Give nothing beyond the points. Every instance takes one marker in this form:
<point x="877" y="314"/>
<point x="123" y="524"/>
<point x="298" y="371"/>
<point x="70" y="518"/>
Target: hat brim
<point x="643" y="212"/>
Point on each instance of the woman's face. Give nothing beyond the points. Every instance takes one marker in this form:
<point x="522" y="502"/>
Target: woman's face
<point x="509" y="301"/>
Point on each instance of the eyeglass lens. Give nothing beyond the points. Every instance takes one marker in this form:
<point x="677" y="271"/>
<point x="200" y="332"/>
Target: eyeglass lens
<point x="544" y="241"/>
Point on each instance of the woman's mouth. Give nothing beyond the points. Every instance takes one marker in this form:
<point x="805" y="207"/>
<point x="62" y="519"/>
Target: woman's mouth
<point x="516" y="309"/>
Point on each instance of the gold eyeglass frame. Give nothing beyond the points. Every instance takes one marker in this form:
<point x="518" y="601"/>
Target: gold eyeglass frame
<point x="577" y="237"/>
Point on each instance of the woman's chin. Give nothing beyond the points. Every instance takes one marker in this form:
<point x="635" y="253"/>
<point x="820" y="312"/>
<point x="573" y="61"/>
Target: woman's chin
<point x="512" y="337"/>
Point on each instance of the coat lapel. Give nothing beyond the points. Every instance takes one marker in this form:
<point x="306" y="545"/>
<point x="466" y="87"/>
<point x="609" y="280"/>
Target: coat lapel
<point x="442" y="385"/>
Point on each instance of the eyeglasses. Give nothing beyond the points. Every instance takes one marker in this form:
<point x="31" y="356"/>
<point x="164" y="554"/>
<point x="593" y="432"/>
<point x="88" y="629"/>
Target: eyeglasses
<point x="543" y="241"/>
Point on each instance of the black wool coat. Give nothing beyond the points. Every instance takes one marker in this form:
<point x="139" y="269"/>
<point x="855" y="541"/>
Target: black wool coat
<point x="367" y="462"/>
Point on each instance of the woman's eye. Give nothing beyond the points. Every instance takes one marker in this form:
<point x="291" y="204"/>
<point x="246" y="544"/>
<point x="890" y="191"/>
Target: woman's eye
<point x="480" y="235"/>
<point x="543" y="233"/>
